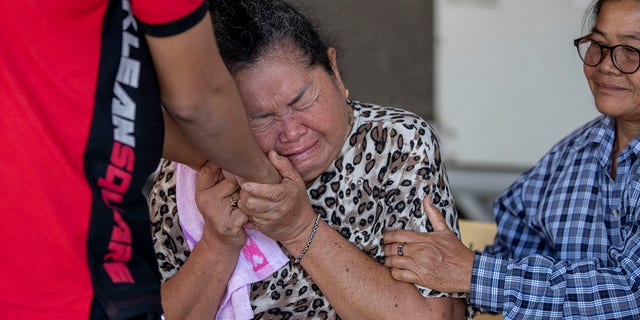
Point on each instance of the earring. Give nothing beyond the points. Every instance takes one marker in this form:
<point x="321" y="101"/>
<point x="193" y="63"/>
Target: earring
<point x="346" y="93"/>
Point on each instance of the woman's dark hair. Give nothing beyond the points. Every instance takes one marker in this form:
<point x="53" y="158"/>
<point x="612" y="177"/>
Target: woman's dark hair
<point x="246" y="29"/>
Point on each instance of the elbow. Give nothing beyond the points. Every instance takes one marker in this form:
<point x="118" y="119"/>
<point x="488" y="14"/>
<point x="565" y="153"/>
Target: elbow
<point x="203" y="102"/>
<point x="188" y="109"/>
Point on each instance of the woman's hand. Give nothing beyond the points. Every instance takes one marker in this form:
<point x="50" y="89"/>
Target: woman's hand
<point x="216" y="199"/>
<point x="197" y="289"/>
<point x="281" y="211"/>
<point x="436" y="260"/>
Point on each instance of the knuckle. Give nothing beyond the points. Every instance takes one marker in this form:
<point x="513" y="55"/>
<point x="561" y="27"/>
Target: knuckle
<point x="249" y="203"/>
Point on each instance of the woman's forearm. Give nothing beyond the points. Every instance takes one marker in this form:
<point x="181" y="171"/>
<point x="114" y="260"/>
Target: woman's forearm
<point x="196" y="291"/>
<point x="358" y="287"/>
<point x="200" y="95"/>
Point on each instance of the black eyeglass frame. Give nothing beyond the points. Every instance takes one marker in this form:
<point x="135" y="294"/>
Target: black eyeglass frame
<point x="576" y="43"/>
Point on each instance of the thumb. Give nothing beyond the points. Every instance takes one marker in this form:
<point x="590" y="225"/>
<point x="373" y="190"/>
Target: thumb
<point x="284" y="167"/>
<point x="434" y="215"/>
<point x="207" y="177"/>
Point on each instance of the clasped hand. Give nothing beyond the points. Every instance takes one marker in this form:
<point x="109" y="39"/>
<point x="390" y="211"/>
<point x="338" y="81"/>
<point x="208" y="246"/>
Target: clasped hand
<point x="280" y="211"/>
<point x="223" y="221"/>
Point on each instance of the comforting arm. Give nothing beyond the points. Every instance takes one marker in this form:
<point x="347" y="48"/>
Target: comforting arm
<point x="586" y="288"/>
<point x="200" y="95"/>
<point x="556" y="289"/>
<point x="528" y="278"/>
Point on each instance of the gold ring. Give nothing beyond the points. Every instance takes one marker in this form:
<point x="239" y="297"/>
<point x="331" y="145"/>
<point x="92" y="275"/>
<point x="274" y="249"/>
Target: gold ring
<point x="400" y="247"/>
<point x="234" y="202"/>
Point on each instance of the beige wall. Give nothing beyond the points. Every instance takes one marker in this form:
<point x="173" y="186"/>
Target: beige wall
<point x="385" y="46"/>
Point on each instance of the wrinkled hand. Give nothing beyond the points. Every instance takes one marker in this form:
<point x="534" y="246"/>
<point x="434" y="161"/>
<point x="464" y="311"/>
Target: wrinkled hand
<point x="222" y="222"/>
<point x="281" y="211"/>
<point x="436" y="260"/>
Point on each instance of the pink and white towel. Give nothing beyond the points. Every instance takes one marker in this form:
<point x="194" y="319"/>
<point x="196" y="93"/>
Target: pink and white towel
<point x="260" y="257"/>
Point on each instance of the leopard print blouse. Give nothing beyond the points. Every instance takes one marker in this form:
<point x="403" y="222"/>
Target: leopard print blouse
<point x="390" y="161"/>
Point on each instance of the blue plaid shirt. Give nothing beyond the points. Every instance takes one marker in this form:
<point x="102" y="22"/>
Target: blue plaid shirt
<point x="568" y="243"/>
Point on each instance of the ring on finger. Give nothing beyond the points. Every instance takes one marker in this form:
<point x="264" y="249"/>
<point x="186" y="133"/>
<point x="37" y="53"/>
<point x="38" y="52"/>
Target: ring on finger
<point x="400" y="249"/>
<point x="234" y="202"/>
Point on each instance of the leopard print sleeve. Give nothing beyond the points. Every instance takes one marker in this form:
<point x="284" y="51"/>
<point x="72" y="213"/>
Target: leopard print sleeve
<point x="168" y="240"/>
<point x="415" y="170"/>
<point x="404" y="153"/>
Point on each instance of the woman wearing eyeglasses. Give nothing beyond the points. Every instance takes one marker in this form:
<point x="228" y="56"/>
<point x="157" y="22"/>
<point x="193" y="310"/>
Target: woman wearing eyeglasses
<point x="568" y="242"/>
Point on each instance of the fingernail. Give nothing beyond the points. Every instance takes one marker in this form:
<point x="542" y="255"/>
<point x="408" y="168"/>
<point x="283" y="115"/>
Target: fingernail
<point x="247" y="187"/>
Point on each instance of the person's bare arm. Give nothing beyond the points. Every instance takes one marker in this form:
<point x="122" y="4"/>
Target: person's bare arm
<point x="360" y="288"/>
<point x="177" y="147"/>
<point x="201" y="96"/>
<point x="196" y="291"/>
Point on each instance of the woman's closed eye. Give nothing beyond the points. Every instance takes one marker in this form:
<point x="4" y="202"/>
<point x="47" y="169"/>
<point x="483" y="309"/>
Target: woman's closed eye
<point x="263" y="121"/>
<point x="308" y="105"/>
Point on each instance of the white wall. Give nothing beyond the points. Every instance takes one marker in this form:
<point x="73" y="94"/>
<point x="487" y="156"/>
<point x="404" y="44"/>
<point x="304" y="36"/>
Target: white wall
<point x="508" y="81"/>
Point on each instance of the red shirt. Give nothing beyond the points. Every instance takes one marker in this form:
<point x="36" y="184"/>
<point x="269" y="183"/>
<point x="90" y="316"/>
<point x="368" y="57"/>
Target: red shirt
<point x="81" y="130"/>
